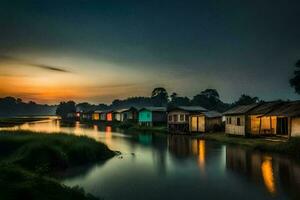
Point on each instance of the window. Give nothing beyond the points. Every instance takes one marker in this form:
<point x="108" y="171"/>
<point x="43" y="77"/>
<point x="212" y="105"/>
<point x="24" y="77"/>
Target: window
<point x="175" y="118"/>
<point x="170" y="118"/>
<point x="186" y="117"/>
<point x="238" y="121"/>
<point x="182" y="118"/>
<point x="229" y="120"/>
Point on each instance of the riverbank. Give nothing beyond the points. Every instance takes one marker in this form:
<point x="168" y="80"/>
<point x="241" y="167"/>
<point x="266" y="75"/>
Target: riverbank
<point x="279" y="145"/>
<point x="14" y="121"/>
<point x="29" y="162"/>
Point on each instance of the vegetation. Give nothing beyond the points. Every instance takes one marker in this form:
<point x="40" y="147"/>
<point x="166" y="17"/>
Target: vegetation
<point x="64" y="108"/>
<point x="246" y="100"/>
<point x="295" y="81"/>
<point x="11" y="107"/>
<point x="288" y="147"/>
<point x="29" y="160"/>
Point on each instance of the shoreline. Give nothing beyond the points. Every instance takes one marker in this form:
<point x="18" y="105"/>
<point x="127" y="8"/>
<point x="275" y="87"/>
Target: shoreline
<point x="32" y="160"/>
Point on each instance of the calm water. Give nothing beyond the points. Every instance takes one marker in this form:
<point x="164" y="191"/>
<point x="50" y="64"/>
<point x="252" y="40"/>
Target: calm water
<point x="154" y="166"/>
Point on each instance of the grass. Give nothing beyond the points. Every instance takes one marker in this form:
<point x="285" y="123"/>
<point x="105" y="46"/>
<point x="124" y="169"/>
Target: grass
<point x="289" y="147"/>
<point x="28" y="162"/>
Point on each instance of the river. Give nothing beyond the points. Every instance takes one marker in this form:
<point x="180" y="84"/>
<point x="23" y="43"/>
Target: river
<point x="158" y="166"/>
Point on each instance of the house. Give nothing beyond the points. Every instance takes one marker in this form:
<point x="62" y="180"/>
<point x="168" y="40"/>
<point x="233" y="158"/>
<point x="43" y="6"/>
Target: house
<point x="109" y="116"/>
<point x="252" y="119"/>
<point x="86" y="116"/>
<point x="178" y="118"/>
<point x="102" y="116"/>
<point x="285" y="119"/>
<point x="152" y="116"/>
<point x="125" y="114"/>
<point x="205" y="122"/>
<point x="129" y="114"/>
<point x="96" y="115"/>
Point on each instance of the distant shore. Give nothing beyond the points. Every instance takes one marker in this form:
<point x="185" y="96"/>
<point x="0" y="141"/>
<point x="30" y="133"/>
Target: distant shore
<point x="14" y="121"/>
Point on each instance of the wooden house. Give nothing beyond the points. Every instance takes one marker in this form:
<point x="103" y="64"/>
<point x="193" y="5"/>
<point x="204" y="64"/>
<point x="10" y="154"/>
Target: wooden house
<point x="129" y="114"/>
<point x="109" y="116"/>
<point x="86" y="116"/>
<point x="116" y="115"/>
<point x="252" y="119"/>
<point x="236" y="119"/>
<point x="285" y="119"/>
<point x="102" y="116"/>
<point x="205" y="122"/>
<point x="96" y="115"/>
<point x="178" y="118"/>
<point x="152" y="116"/>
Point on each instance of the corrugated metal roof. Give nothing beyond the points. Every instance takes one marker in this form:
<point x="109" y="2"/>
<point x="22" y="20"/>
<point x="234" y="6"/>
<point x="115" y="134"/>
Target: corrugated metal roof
<point x="192" y="108"/>
<point x="155" y="109"/>
<point x="242" y="109"/>
<point x="212" y="114"/>
<point x="287" y="109"/>
<point x="265" y="108"/>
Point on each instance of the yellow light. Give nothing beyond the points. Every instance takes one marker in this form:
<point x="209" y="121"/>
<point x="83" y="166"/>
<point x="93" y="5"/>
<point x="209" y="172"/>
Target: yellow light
<point x="268" y="176"/>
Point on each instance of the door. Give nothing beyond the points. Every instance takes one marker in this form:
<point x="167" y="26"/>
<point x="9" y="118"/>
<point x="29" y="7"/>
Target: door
<point x="282" y="126"/>
<point x="194" y="124"/>
<point x="201" y="124"/>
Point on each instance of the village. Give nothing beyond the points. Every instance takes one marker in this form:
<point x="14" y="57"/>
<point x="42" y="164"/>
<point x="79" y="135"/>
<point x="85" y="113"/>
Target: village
<point x="263" y="119"/>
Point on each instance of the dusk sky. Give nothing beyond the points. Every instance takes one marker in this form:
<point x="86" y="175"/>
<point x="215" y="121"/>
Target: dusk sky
<point x="97" y="51"/>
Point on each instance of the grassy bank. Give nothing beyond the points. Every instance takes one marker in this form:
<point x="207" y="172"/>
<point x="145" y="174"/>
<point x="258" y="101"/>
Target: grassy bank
<point x="28" y="162"/>
<point x="18" y="120"/>
<point x="274" y="145"/>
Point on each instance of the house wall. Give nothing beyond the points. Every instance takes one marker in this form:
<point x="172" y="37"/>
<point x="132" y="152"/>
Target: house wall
<point x="231" y="126"/>
<point x="103" y="116"/>
<point x="210" y="123"/>
<point x="181" y="116"/>
<point x="145" y="116"/>
<point x="197" y="123"/>
<point x="95" y="116"/>
<point x="109" y="117"/>
<point x="117" y="116"/>
<point x="159" y="117"/>
<point x="295" y="126"/>
<point x="268" y="124"/>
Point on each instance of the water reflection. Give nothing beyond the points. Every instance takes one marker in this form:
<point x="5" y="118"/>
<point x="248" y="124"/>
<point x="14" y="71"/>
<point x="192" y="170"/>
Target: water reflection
<point x="267" y="174"/>
<point x="153" y="166"/>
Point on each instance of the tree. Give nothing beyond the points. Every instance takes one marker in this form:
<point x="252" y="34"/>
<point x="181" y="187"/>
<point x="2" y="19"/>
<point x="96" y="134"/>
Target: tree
<point x="160" y="96"/>
<point x="246" y="100"/>
<point x="64" y="108"/>
<point x="295" y="81"/>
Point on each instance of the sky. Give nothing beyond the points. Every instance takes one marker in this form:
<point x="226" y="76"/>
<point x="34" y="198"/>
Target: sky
<point x="98" y="51"/>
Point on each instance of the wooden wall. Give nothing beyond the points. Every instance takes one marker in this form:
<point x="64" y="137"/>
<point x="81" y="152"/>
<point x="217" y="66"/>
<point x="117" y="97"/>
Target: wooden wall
<point x="233" y="128"/>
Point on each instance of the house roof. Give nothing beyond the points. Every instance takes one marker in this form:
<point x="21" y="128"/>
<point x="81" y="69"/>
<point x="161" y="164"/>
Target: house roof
<point x="154" y="109"/>
<point x="242" y="109"/>
<point x="188" y="108"/>
<point x="287" y="109"/>
<point x="212" y="114"/>
<point x="264" y="108"/>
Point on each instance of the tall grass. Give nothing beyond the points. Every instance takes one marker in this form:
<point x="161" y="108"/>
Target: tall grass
<point x="28" y="160"/>
<point x="50" y="152"/>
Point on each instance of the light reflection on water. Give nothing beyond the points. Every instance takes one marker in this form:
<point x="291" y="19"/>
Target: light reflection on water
<point x="154" y="166"/>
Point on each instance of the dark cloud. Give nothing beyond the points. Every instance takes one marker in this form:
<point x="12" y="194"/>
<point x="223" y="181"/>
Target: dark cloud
<point x="6" y="58"/>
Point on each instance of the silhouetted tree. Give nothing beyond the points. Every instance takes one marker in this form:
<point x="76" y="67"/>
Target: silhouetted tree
<point x="209" y="99"/>
<point x="10" y="107"/>
<point x="246" y="100"/>
<point x="64" y="108"/>
<point x="160" y="96"/>
<point x="178" y="101"/>
<point x="295" y="81"/>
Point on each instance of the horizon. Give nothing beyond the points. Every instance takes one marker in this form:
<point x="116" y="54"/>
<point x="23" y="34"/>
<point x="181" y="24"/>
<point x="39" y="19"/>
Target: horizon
<point x="96" y="52"/>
